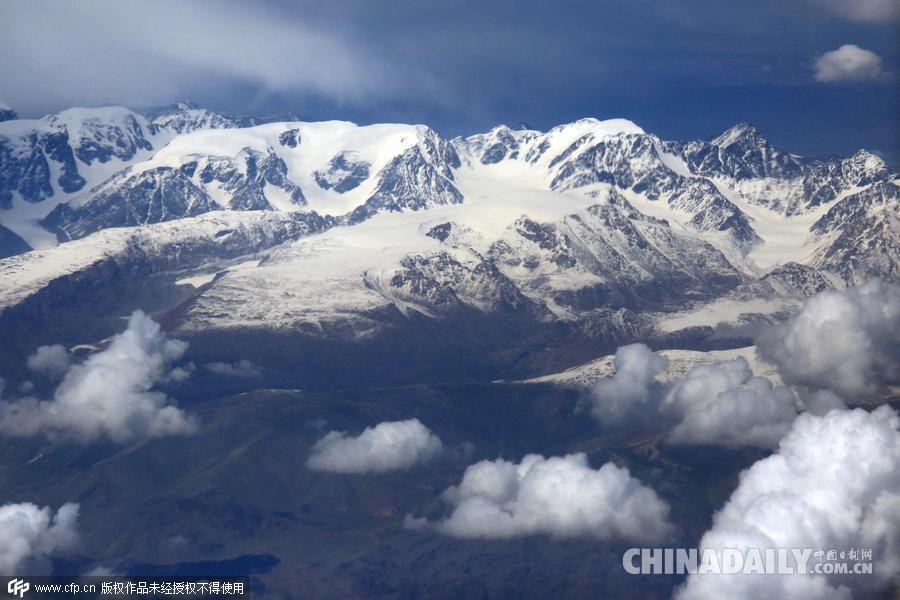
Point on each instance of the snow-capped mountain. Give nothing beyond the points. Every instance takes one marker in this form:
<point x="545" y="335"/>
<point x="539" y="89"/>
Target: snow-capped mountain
<point x="590" y="223"/>
<point x="7" y="113"/>
<point x="862" y="234"/>
<point x="137" y="252"/>
<point x="186" y="117"/>
<point x="152" y="194"/>
<point x="47" y="161"/>
<point x="740" y="153"/>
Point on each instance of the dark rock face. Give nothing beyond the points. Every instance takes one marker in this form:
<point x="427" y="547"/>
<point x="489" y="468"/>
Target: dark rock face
<point x="739" y="153"/>
<point x="7" y="114"/>
<point x="186" y="117"/>
<point x="11" y="244"/>
<point x="290" y="138"/>
<point x="73" y="144"/>
<point x="166" y="193"/>
<point x="443" y="282"/>
<point x="712" y="211"/>
<point x="154" y="196"/>
<point x="806" y="281"/>
<point x="412" y="181"/>
<point x="548" y="238"/>
<point x="825" y="181"/>
<point x="864" y="240"/>
<point x="345" y="172"/>
<point x="501" y="143"/>
<point x="25" y="166"/>
<point x="438" y="151"/>
<point x="624" y="258"/>
<point x="633" y="162"/>
<point x="101" y="141"/>
<point x="790" y="280"/>
<point x="246" y="183"/>
<point x="440" y="232"/>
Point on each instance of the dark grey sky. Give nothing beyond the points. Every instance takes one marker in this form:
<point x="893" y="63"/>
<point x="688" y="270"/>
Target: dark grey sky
<point x="680" y="68"/>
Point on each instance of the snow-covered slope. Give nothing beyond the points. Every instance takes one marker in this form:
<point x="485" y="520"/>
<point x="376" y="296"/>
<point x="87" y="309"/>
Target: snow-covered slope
<point x="47" y="161"/>
<point x="589" y="216"/>
<point x="333" y="167"/>
<point x="516" y="251"/>
<point x="174" y="246"/>
<point x="860" y="235"/>
<point x="680" y="362"/>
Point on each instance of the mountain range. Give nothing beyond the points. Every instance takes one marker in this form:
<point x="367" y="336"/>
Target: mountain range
<point x="594" y="230"/>
<point x="298" y="278"/>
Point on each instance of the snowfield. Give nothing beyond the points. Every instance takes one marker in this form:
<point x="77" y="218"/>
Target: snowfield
<point x="589" y="214"/>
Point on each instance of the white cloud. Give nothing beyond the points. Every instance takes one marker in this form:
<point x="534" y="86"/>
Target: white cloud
<point x="848" y="63"/>
<point x="110" y="394"/>
<point x="52" y="361"/>
<point x="149" y="54"/>
<point x="633" y="387"/>
<point x="557" y="496"/>
<point x="845" y="341"/>
<point x="721" y="403"/>
<point x="863" y="11"/>
<point x="389" y="446"/>
<point x="28" y="532"/>
<point x="832" y="484"/>
<point x="821" y="402"/>
<point x="241" y="368"/>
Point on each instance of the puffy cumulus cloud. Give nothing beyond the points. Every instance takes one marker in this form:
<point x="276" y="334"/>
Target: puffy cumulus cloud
<point x="557" y="496"/>
<point x="168" y="49"/>
<point x="832" y="484"/>
<point x="241" y="368"/>
<point x="721" y="403"/>
<point x="848" y="63"/>
<point x="29" y="532"/>
<point x="633" y="387"/>
<point x="52" y="361"/>
<point x="389" y="446"/>
<point x="845" y="341"/>
<point x="863" y="11"/>
<point x="110" y="394"/>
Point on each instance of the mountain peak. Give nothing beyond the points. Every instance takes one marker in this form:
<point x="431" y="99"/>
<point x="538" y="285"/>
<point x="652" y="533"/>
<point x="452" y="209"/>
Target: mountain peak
<point x="600" y="129"/>
<point x="742" y="132"/>
<point x="866" y="156"/>
<point x="867" y="162"/>
<point x="7" y="113"/>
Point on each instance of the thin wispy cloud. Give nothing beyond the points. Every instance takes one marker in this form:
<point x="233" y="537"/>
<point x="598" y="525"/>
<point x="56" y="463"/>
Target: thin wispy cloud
<point x="97" y="52"/>
<point x="863" y="11"/>
<point x="241" y="368"/>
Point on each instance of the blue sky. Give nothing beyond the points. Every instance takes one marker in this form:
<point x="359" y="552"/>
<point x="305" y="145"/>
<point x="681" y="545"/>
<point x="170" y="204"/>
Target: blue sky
<point x="680" y="68"/>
